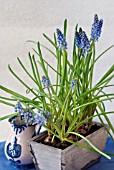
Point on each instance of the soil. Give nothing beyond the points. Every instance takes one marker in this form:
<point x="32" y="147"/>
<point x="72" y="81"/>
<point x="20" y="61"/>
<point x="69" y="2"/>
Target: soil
<point x="83" y="131"/>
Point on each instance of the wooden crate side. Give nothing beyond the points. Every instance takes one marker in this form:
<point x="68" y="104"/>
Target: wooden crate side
<point x="47" y="157"/>
<point x="77" y="158"/>
<point x="50" y="158"/>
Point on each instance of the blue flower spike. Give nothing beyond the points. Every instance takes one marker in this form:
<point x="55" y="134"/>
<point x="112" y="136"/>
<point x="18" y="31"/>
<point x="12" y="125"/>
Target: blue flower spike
<point x="73" y="84"/>
<point x="61" y="40"/>
<point x="39" y="119"/>
<point x="78" y="40"/>
<point x="46" y="82"/>
<point x="18" y="108"/>
<point x="82" y="42"/>
<point x="28" y="117"/>
<point x="96" y="28"/>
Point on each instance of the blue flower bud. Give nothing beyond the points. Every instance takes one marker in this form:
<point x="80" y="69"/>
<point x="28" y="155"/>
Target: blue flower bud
<point x="73" y="84"/>
<point x="61" y="40"/>
<point x="28" y="117"/>
<point x="45" y="82"/>
<point x="18" y="108"/>
<point x="96" y="28"/>
<point x="39" y="119"/>
<point x="82" y="42"/>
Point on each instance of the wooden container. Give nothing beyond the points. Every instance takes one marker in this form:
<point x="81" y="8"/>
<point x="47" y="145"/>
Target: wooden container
<point x="72" y="158"/>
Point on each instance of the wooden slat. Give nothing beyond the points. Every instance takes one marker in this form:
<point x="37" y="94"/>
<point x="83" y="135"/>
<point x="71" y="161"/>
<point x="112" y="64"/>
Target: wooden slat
<point x="48" y="158"/>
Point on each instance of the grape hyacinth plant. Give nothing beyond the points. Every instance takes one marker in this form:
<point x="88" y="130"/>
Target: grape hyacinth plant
<point x="63" y="107"/>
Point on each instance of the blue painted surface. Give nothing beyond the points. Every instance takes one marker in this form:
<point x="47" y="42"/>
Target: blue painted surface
<point x="104" y="163"/>
<point x="19" y="129"/>
<point x="14" y="151"/>
<point x="7" y="165"/>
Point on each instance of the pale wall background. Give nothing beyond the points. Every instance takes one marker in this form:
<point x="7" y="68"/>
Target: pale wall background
<point x="22" y="20"/>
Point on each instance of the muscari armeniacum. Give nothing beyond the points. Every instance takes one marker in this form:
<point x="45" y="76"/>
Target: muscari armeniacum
<point x="82" y="42"/>
<point x="96" y="28"/>
<point x="46" y="82"/>
<point x="61" y="40"/>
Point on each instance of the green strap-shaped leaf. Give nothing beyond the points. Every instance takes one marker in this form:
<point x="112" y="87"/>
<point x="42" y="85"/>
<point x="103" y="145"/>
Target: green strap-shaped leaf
<point x="93" y="146"/>
<point x="8" y="116"/>
<point x="65" y="27"/>
<point x="13" y="93"/>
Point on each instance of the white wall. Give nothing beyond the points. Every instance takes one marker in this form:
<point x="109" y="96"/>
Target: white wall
<point x="23" y="20"/>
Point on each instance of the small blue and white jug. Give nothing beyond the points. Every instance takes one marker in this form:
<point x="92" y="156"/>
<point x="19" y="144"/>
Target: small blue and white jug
<point x="16" y="147"/>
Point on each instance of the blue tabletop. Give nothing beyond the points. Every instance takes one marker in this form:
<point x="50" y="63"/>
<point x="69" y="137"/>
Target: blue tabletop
<point x="103" y="164"/>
